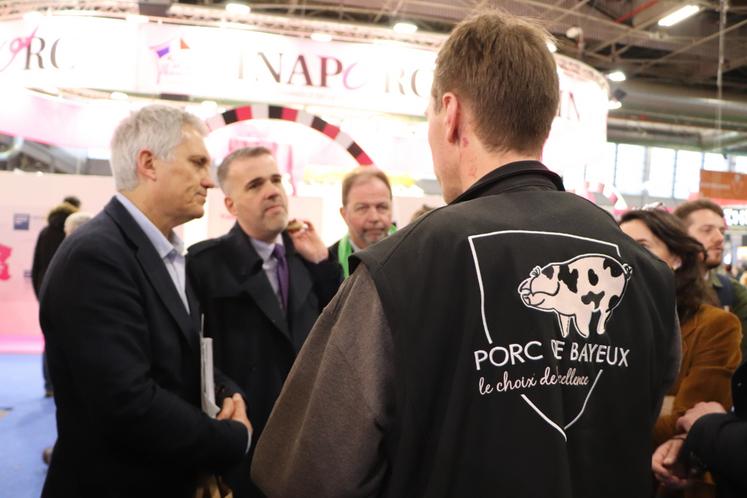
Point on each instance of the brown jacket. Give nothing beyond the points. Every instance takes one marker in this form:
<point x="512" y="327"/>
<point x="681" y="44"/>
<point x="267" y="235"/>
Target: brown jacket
<point x="710" y="355"/>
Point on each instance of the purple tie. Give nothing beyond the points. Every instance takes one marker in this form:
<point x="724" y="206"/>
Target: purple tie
<point x="282" y="273"/>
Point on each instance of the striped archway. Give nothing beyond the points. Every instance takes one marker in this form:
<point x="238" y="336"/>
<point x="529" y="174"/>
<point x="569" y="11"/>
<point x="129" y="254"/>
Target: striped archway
<point x="265" y="111"/>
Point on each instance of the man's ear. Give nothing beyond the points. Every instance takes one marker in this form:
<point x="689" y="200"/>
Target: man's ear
<point x="343" y="213"/>
<point x="230" y="206"/>
<point x="453" y="116"/>
<point x="146" y="165"/>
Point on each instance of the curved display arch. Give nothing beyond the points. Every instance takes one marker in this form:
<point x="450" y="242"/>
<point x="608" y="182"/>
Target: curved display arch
<point x="264" y="111"/>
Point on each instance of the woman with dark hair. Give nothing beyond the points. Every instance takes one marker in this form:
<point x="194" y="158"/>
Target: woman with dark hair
<point x="710" y="335"/>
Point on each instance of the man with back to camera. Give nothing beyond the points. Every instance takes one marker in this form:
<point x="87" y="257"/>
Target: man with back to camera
<point x="48" y="241"/>
<point x="512" y="343"/>
<point x="124" y="348"/>
<point x="367" y="211"/>
<point x="705" y="223"/>
<point x="258" y="315"/>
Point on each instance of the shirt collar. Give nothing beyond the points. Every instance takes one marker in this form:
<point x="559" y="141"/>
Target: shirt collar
<point x="164" y="247"/>
<point x="352" y="244"/>
<point x="263" y="248"/>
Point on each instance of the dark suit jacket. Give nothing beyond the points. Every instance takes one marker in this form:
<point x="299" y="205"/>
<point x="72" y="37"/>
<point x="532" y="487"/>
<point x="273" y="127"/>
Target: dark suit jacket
<point x="124" y="356"/>
<point x="255" y="343"/>
<point x="333" y="249"/>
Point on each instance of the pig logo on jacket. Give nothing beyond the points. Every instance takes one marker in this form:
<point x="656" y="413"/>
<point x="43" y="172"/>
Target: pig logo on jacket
<point x="583" y="291"/>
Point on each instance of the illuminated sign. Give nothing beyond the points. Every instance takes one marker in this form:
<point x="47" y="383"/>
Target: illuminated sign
<point x="735" y="217"/>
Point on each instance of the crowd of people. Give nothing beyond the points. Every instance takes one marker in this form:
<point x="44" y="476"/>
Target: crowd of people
<point x="518" y="341"/>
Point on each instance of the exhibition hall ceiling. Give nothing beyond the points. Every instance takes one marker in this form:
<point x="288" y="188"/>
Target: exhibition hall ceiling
<point x="607" y="34"/>
<point x="686" y="84"/>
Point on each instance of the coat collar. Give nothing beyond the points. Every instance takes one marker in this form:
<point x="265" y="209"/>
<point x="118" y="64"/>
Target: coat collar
<point x="249" y="277"/>
<point x="156" y="272"/>
<point x="513" y="176"/>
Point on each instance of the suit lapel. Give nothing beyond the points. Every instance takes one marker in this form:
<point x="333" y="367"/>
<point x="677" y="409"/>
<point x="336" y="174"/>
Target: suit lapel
<point x="300" y="280"/>
<point x="253" y="280"/>
<point x="154" y="269"/>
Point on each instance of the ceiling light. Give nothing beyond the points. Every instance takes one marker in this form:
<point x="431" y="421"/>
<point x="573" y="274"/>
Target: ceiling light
<point x="321" y="37"/>
<point x="574" y="32"/>
<point x="118" y="96"/>
<point x="679" y="15"/>
<point x="240" y="9"/>
<point x="405" y="28"/>
<point x="136" y="18"/>
<point x="551" y="46"/>
<point x="616" y="76"/>
<point x="614" y="104"/>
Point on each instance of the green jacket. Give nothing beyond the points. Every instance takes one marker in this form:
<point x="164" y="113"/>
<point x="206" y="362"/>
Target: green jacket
<point x="739" y="307"/>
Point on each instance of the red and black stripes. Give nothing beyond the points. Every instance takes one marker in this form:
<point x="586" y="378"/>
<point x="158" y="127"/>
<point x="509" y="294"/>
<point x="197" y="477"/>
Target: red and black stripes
<point x="264" y="111"/>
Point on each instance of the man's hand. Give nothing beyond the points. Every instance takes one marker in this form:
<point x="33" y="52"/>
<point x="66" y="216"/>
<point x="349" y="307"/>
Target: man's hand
<point x="307" y="242"/>
<point x="693" y="414"/>
<point x="226" y="411"/>
<point x="239" y="412"/>
<point x="663" y="464"/>
<point x="234" y="408"/>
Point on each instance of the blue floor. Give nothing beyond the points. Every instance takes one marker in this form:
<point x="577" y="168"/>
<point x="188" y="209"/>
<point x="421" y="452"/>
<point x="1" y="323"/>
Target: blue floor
<point x="27" y="429"/>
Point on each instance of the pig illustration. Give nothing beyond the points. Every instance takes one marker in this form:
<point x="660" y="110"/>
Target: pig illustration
<point x="583" y="290"/>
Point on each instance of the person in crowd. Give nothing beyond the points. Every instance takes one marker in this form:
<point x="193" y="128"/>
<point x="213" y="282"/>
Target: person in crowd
<point x="425" y="208"/>
<point x="705" y="223"/>
<point x="367" y="211"/>
<point x="72" y="200"/>
<point x="72" y="223"/>
<point x="484" y="349"/>
<point x="75" y="221"/>
<point x="122" y="327"/>
<point x="261" y="287"/>
<point x="49" y="239"/>
<point x="710" y="335"/>
<point x="713" y="439"/>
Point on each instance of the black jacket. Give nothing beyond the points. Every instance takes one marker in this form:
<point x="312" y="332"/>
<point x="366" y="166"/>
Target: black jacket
<point x="255" y="343"/>
<point x="533" y="344"/>
<point x="125" y="358"/>
<point x="718" y="442"/>
<point x="50" y="238"/>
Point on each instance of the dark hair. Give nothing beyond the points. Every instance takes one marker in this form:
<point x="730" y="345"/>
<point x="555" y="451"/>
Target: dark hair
<point x="242" y="153"/>
<point x="691" y="287"/>
<point x="72" y="200"/>
<point x="685" y="209"/>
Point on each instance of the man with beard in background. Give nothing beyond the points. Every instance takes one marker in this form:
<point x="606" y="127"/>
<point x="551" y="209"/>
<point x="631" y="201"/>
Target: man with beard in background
<point x="705" y="223"/>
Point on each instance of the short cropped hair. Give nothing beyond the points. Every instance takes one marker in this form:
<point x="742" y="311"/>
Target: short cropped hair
<point x="157" y="128"/>
<point x="73" y="200"/>
<point x="362" y="175"/>
<point x="684" y="210"/>
<point x="501" y="67"/>
<point x="242" y="153"/>
<point x="75" y="221"/>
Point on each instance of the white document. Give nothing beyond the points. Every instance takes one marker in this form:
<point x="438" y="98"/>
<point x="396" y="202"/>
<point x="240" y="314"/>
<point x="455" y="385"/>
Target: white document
<point x="206" y="377"/>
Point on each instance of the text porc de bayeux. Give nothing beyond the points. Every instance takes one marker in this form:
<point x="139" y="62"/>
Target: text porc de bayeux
<point x="513" y="354"/>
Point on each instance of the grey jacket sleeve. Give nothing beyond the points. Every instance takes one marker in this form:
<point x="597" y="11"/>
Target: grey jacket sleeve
<point x="325" y="435"/>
